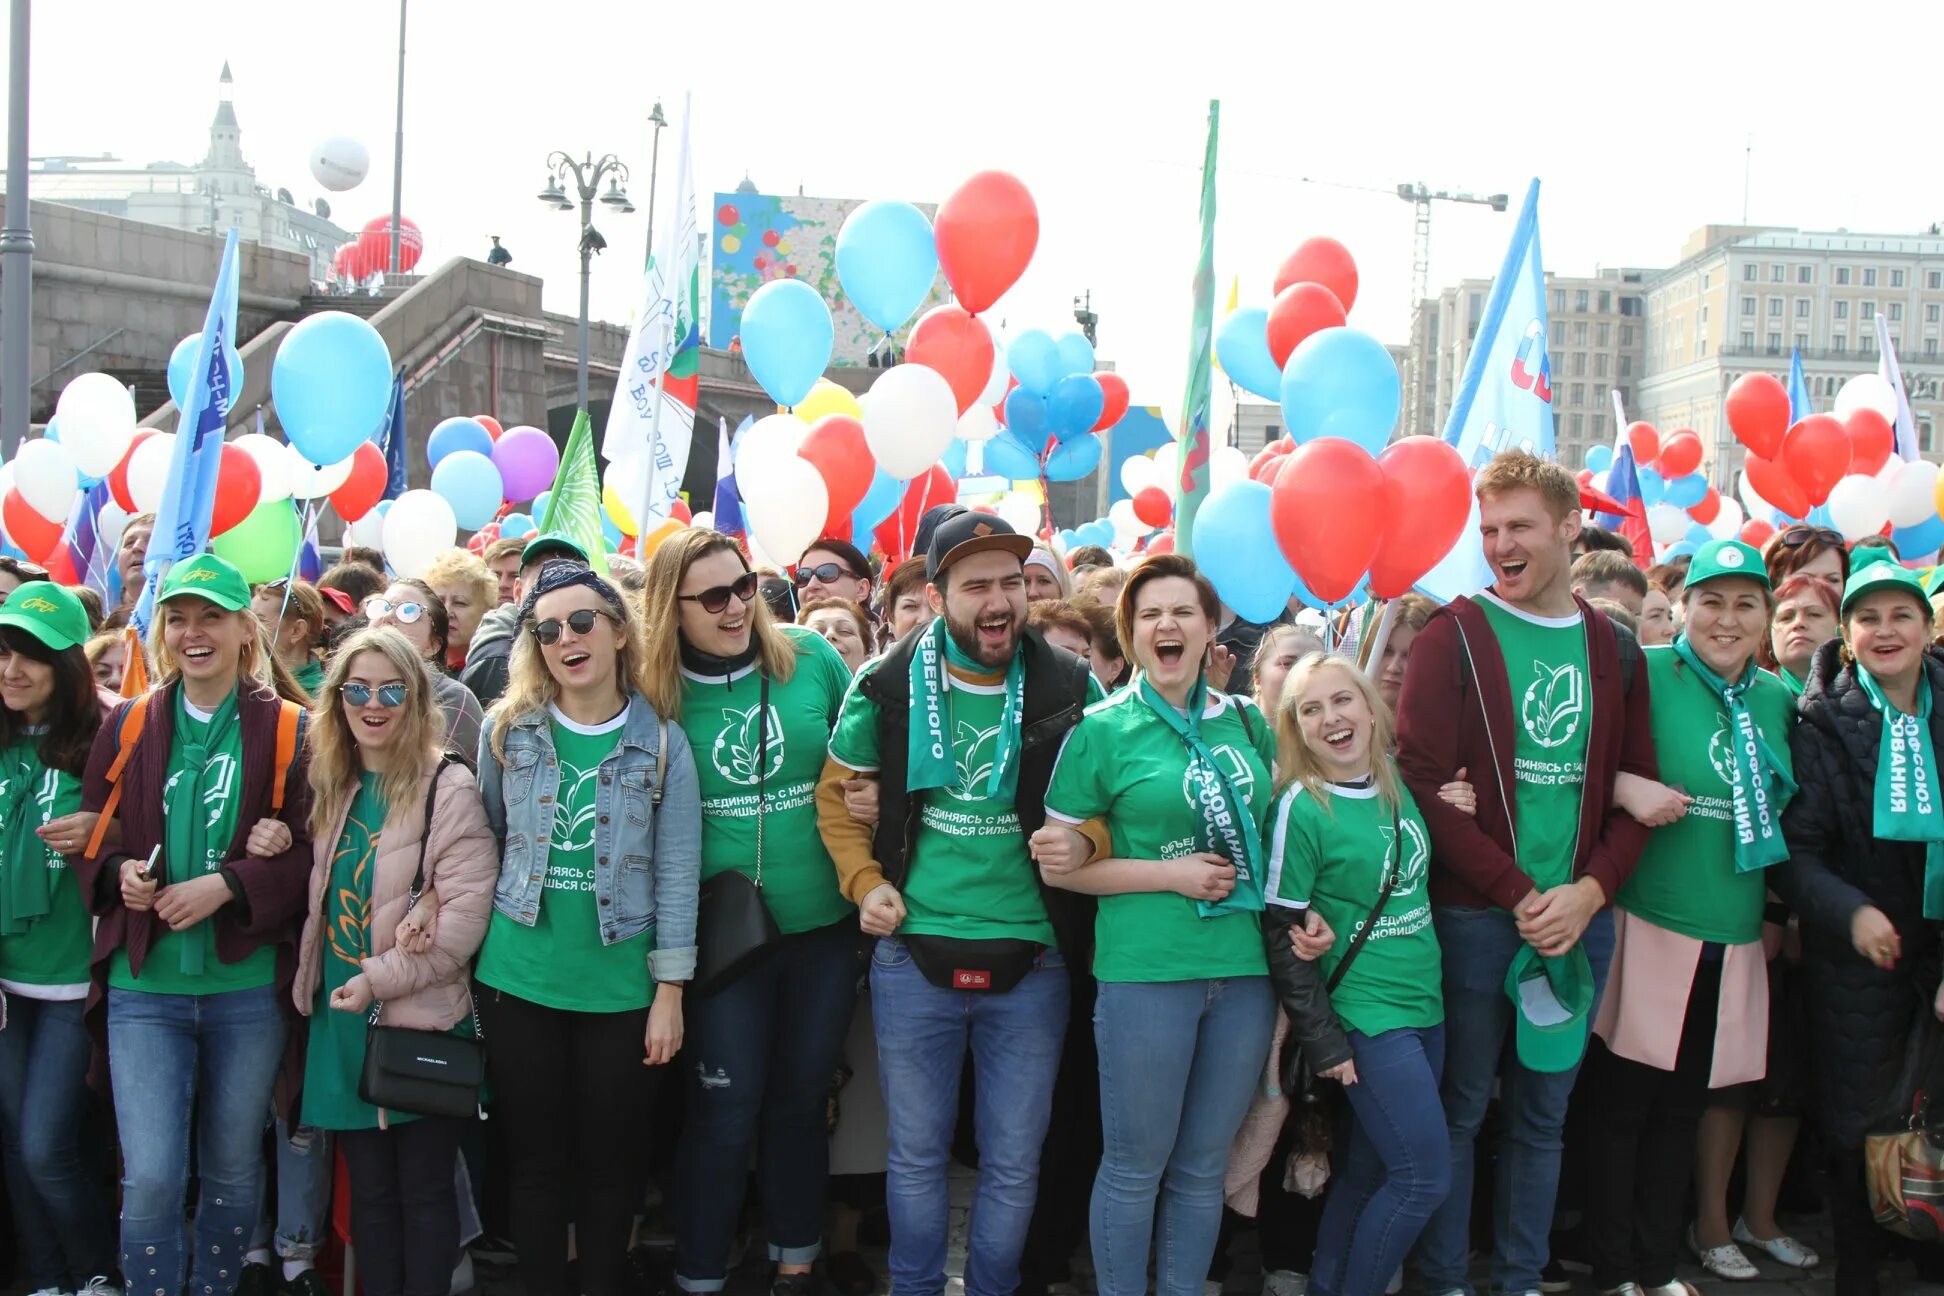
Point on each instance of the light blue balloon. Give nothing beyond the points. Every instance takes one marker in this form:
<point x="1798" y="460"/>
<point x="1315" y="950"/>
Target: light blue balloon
<point x="954" y="458"/>
<point x="1599" y="458"/>
<point x="1097" y="532"/>
<point x="886" y="261"/>
<point x="52" y="432"/>
<point x="1653" y="487"/>
<point x="610" y="533"/>
<point x="1028" y="418"/>
<point x="538" y="507"/>
<point x="331" y="383"/>
<point x="1678" y="549"/>
<point x="1231" y="546"/>
<point x="1034" y="359"/>
<point x="1686" y="491"/>
<point x="1698" y="535"/>
<point x="1242" y="345"/>
<point x="516" y="526"/>
<point x="470" y="483"/>
<point x="1353" y="599"/>
<point x="879" y="502"/>
<point x="383" y="507"/>
<point x="1068" y="538"/>
<point x="1921" y="539"/>
<point x="1074" y="459"/>
<point x="182" y="366"/>
<point x="1076" y="354"/>
<point x="786" y="338"/>
<point x="455" y="434"/>
<point x="1075" y="406"/>
<point x="1006" y="456"/>
<point x="1340" y="382"/>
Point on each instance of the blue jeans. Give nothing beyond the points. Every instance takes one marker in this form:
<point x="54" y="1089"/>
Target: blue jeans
<point x="303" y="1161"/>
<point x="1478" y="946"/>
<point x="1398" y="1167"/>
<point x="183" y="1062"/>
<point x="1179" y="1062"/>
<point x="760" y="1055"/>
<point x="922" y="1036"/>
<point x="60" y="1203"/>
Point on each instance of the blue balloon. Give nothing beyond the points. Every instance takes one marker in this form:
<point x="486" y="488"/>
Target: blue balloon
<point x="1027" y="416"/>
<point x="1075" y="406"/>
<point x="610" y="533"/>
<point x="515" y="526"/>
<point x="538" y="506"/>
<point x="1006" y="456"/>
<point x="1653" y="487"/>
<point x="1340" y="382"/>
<point x="1353" y="599"/>
<point x="1698" y="535"/>
<point x="455" y="434"/>
<point x="182" y="368"/>
<point x="1034" y="359"/>
<point x="1251" y="576"/>
<point x="1242" y="347"/>
<point x="331" y="383"/>
<point x="1068" y="538"/>
<point x="1072" y="460"/>
<point x="1915" y="541"/>
<point x="471" y="484"/>
<point x="52" y="431"/>
<point x="786" y="338"/>
<point x="886" y="261"/>
<point x="879" y="502"/>
<point x="1076" y="354"/>
<point x="1097" y="532"/>
<point x="1687" y="491"/>
<point x="1678" y="549"/>
<point x="1599" y="458"/>
<point x="383" y="507"/>
<point x="953" y="459"/>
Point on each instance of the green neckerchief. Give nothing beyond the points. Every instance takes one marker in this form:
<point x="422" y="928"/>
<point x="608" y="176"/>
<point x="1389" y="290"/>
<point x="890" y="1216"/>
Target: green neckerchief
<point x="928" y="752"/>
<point x="310" y="675"/>
<point x="27" y="891"/>
<point x="1760" y="783"/>
<point x="1788" y="677"/>
<point x="183" y="802"/>
<point x="1226" y="827"/>
<point x="1906" y="785"/>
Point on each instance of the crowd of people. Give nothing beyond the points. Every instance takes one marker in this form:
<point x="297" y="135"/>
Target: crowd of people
<point x="1510" y="926"/>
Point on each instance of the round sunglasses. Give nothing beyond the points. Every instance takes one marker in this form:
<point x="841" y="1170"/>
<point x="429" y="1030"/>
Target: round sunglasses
<point x="359" y="695"/>
<point x="581" y="622"/>
<point x="716" y="597"/>
<point x="378" y="606"/>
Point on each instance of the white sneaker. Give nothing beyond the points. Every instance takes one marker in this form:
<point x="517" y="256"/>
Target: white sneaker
<point x="50" y="1291"/>
<point x="1285" y="1282"/>
<point x="99" y="1285"/>
<point x="1396" y="1284"/>
<point x="1783" y="1250"/>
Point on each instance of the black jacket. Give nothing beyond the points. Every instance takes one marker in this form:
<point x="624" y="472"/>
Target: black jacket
<point x="1056" y="691"/>
<point x="1860" y="1015"/>
<point x="1313" y="1024"/>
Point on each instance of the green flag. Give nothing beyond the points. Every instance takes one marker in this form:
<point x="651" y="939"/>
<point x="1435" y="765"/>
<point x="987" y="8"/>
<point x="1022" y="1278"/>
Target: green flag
<point x="1193" y="440"/>
<point x="575" y="508"/>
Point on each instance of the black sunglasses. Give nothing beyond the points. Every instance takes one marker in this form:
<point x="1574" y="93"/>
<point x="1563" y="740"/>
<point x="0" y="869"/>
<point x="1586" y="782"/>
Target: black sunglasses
<point x="358" y="695"/>
<point x="1797" y="536"/>
<point x="581" y="622"/>
<point x="276" y="586"/>
<point x="716" y="597"/>
<point x="825" y="572"/>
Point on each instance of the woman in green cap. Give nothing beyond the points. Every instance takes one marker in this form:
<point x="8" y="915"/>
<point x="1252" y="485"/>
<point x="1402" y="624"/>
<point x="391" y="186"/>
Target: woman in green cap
<point x="49" y="712"/>
<point x="1866" y="875"/>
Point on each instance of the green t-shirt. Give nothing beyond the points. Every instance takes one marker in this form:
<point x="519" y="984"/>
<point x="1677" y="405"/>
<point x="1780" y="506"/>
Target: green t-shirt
<point x="57" y="948"/>
<point x="163" y="970"/>
<point x="1333" y="854"/>
<point x="725" y="732"/>
<point x="560" y="962"/>
<point x="1124" y="763"/>
<point x="311" y="676"/>
<point x="1545" y="662"/>
<point x="1686" y="880"/>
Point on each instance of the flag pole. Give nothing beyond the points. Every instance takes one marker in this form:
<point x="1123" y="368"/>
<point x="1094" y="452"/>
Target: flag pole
<point x="1193" y="437"/>
<point x="654" y="487"/>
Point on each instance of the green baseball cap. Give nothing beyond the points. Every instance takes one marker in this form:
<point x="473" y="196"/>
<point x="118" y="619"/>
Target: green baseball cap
<point x="49" y="612"/>
<point x="1552" y="998"/>
<point x="1719" y="558"/>
<point x="1879" y="575"/>
<point x="553" y="542"/>
<point x="208" y="577"/>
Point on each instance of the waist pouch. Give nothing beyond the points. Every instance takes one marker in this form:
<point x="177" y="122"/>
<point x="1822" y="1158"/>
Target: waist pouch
<point x="994" y="966"/>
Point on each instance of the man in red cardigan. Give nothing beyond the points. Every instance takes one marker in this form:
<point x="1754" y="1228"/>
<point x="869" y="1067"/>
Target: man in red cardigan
<point x="1540" y="702"/>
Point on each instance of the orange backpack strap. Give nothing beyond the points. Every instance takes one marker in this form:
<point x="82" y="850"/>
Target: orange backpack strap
<point x="290" y="729"/>
<point x="134" y="717"/>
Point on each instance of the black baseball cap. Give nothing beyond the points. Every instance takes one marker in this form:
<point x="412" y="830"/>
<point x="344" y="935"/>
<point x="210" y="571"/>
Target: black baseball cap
<point x="971" y="533"/>
<point x="929" y="521"/>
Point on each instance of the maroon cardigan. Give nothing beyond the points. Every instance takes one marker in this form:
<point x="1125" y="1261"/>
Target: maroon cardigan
<point x="274" y="889"/>
<point x="1442" y="728"/>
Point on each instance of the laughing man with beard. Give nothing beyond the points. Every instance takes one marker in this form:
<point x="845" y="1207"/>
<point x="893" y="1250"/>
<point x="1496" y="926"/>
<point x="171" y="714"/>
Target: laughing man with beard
<point x="960" y="723"/>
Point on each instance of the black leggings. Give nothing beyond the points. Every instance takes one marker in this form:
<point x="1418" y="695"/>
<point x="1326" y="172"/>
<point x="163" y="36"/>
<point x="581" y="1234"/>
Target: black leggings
<point x="404" y="1207"/>
<point x="573" y="1097"/>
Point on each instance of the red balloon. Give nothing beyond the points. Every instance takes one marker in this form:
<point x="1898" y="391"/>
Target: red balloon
<point x="1680" y="454"/>
<point x="1708" y="509"/>
<point x="1300" y="310"/>
<point x="1327" y="507"/>
<point x="679" y="510"/>
<point x="1756" y="532"/>
<point x="927" y="490"/>
<point x="1321" y="261"/>
<point x="118" y="479"/>
<point x="1259" y="465"/>
<point x="1644" y="441"/>
<point x="365" y="486"/>
<point x="1758" y="414"/>
<point x="1584" y="477"/>
<point x="834" y="445"/>
<point x="1163" y="543"/>
<point x="1272" y="469"/>
<point x="374" y="243"/>
<point x="486" y="535"/>
<point x="1774" y="484"/>
<point x="949" y="340"/>
<point x="986" y="232"/>
<point x="33" y="534"/>
<point x="239" y="483"/>
<point x="1816" y="452"/>
<point x="1152" y="506"/>
<point x="1114" y="388"/>
<point x="1872" y="440"/>
<point x="1427" y="498"/>
<point x="491" y="424"/>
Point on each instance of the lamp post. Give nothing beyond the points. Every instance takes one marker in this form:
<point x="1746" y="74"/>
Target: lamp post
<point x="398" y="148"/>
<point x="16" y="249"/>
<point x="586" y="175"/>
<point x="658" y="121"/>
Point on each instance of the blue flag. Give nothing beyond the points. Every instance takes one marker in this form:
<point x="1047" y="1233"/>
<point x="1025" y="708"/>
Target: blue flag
<point x="1505" y="400"/>
<point x="189" y="495"/>
<point x="1799" y="406"/>
<point x="394" y="441"/>
<point x="728" y="499"/>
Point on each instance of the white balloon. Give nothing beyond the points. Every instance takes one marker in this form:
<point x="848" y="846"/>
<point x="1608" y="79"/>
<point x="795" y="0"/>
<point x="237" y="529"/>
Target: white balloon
<point x="1167" y="464"/>
<point x="340" y="163"/>
<point x="148" y="471"/>
<point x="368" y="531"/>
<point x="1020" y="512"/>
<point x="272" y="461"/>
<point x="1667" y="523"/>
<point x="977" y="425"/>
<point x="1225" y="466"/>
<point x="1127" y="527"/>
<point x="109" y="525"/>
<point x="44" y="474"/>
<point x="1599" y="481"/>
<point x="419" y="526"/>
<point x="770" y="443"/>
<point x="704" y="520"/>
<point x="305" y="480"/>
<point x="1859" y="506"/>
<point x="1865" y="391"/>
<point x="1913" y="494"/>
<point x="910" y="416"/>
<point x="1137" y="474"/>
<point x="1758" y="507"/>
<point x="1727" y="523"/>
<point x="97" y="418"/>
<point x="788" y="506"/>
<point x="994" y="390"/>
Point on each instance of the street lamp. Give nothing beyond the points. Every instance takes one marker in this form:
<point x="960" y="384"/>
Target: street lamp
<point x="586" y="175"/>
<point x="658" y="121"/>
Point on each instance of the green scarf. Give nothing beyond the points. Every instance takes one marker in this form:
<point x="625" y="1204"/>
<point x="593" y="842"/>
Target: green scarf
<point x="196" y="840"/>
<point x="1761" y="785"/>
<point x="1906" y="785"/>
<point x="26" y="892"/>
<point x="1794" y="685"/>
<point x="1226" y="827"/>
<point x="928" y="752"/>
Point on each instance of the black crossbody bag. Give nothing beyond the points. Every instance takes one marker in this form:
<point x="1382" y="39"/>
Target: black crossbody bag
<point x="1297" y="1077"/>
<point x="734" y="928"/>
<point x="425" y="1073"/>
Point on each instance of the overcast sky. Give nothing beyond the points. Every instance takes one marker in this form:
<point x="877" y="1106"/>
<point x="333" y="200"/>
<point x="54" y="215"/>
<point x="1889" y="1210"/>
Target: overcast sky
<point x="1635" y="117"/>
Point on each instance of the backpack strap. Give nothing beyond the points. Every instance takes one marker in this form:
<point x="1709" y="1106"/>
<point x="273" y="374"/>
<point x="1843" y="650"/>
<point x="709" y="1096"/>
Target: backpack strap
<point x="134" y="717"/>
<point x="290" y="730"/>
<point x="1248" y="725"/>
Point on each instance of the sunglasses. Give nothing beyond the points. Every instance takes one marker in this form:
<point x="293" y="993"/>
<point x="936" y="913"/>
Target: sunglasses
<point x="404" y="613"/>
<point x="23" y="569"/>
<point x="276" y="586"/>
<point x="359" y="695"/>
<point x="1797" y="536"/>
<point x="580" y="622"/>
<point x="825" y="572"/>
<point x="716" y="597"/>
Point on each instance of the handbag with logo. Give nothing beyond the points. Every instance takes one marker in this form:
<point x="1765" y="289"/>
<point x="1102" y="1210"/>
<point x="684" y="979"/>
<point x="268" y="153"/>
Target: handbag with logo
<point x="425" y="1073"/>
<point x="1903" y="1152"/>
<point x="733" y="926"/>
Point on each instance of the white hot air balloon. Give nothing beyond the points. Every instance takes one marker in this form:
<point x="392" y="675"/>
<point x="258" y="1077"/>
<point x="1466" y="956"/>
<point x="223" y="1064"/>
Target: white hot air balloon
<point x="340" y="163"/>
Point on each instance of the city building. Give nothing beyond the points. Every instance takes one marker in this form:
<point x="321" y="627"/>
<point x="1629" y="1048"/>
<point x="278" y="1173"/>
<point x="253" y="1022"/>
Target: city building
<point x="212" y="195"/>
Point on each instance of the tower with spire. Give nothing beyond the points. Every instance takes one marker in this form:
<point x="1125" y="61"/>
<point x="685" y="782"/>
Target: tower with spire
<point x="225" y="136"/>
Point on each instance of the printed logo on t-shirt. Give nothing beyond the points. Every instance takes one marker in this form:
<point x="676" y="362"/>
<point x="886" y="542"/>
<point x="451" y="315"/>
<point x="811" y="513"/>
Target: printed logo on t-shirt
<point x="574" y="812"/>
<point x="739" y="745"/>
<point x="1241" y="775"/>
<point x="1417" y="858"/>
<point x="1721" y="747"/>
<point x="1554" y="703"/>
<point x="974" y="750"/>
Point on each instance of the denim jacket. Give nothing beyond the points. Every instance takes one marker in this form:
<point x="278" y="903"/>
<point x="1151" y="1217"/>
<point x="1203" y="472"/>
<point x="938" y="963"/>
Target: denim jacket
<point x="658" y="850"/>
